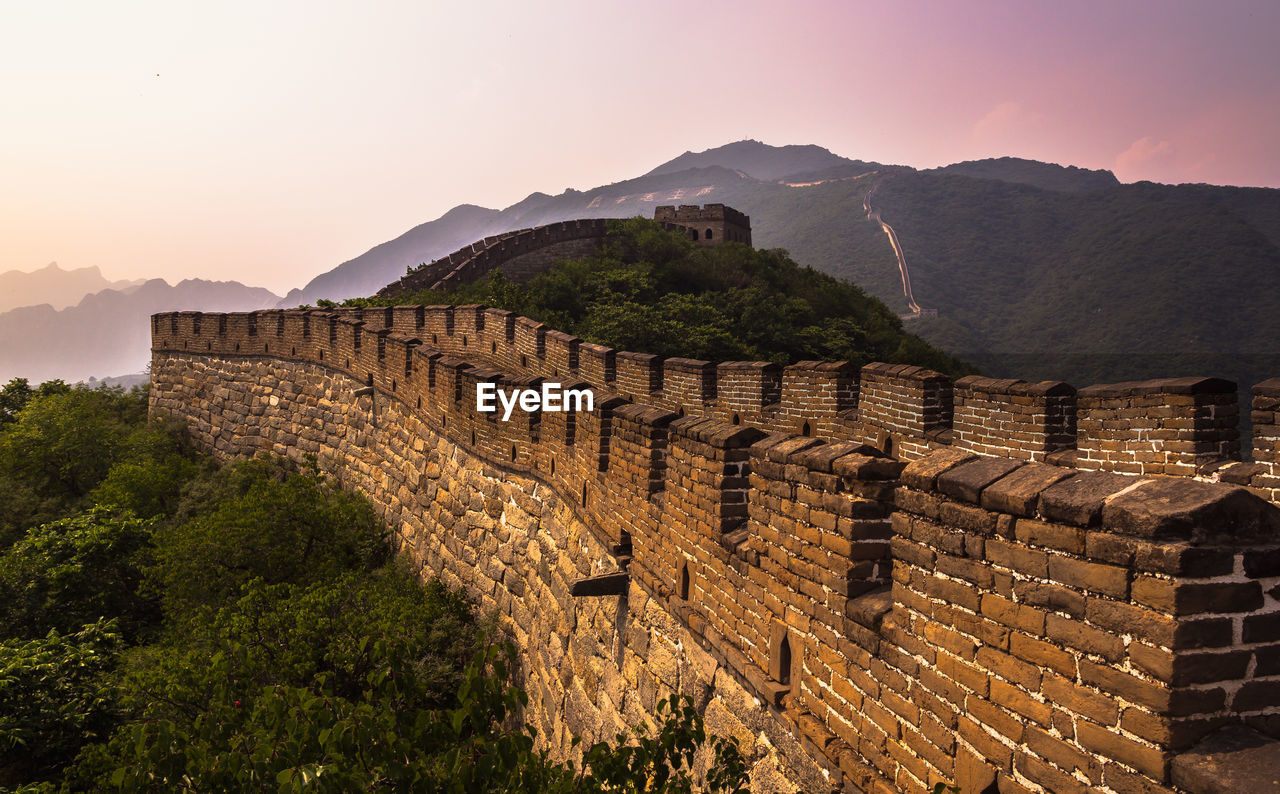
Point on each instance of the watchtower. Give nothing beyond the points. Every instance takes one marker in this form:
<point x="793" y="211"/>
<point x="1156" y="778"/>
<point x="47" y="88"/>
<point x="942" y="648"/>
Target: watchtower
<point x="709" y="225"/>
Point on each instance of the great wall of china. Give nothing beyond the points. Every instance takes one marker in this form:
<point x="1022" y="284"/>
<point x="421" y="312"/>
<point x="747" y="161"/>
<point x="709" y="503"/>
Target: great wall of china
<point x="876" y="578"/>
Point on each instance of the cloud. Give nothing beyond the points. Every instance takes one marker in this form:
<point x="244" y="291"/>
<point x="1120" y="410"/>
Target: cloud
<point x="1149" y="158"/>
<point x="1000" y="119"/>
<point x="1144" y="150"/>
<point x="1008" y="128"/>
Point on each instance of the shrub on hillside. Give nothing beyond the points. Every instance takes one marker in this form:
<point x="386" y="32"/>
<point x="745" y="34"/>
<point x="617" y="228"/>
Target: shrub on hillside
<point x="263" y="520"/>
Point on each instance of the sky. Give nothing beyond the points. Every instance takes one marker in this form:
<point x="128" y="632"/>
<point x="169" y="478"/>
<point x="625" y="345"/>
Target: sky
<point x="268" y="142"/>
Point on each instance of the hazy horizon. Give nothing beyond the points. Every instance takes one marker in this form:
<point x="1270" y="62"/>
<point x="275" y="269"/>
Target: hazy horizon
<point x="268" y="143"/>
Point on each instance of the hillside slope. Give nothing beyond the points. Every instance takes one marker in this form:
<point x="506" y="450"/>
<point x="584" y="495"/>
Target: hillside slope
<point x="1130" y="282"/>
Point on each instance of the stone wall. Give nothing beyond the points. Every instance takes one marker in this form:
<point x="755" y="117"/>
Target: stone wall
<point x="860" y="626"/>
<point x="520" y="254"/>
<point x="709" y="225"/>
<point x="1175" y="426"/>
<point x="592" y="666"/>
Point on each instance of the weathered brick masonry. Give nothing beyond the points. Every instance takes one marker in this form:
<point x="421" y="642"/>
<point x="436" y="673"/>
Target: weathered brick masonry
<point x="859" y="622"/>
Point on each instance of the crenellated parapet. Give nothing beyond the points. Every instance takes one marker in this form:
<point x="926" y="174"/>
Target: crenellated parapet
<point x="974" y="582"/>
<point x="1184" y="427"/>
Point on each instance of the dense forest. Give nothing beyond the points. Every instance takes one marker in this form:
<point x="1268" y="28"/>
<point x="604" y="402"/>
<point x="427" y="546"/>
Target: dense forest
<point x="167" y="624"/>
<point x="654" y="291"/>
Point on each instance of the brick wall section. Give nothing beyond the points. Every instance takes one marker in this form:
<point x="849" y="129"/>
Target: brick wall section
<point x="1078" y="630"/>
<point x="1183" y="427"/>
<point x="821" y="513"/>
<point x="1172" y="426"/>
<point x="814" y="396"/>
<point x="521" y="254"/>
<point x="1262" y="474"/>
<point x="1044" y="629"/>
<point x="639" y="375"/>
<point x="688" y="385"/>
<point x="904" y="409"/>
<point x="592" y="666"/>
<point x="1266" y="427"/>
<point x="1013" y="418"/>
<point x="748" y="392"/>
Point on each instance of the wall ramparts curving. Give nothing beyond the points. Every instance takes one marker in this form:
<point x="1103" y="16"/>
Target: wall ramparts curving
<point x="1173" y="427"/>
<point x="967" y="619"/>
<point x="524" y="253"/>
<point x="520" y="254"/>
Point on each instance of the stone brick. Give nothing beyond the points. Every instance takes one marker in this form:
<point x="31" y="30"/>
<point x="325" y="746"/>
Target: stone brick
<point x="1059" y="537"/>
<point x="1079" y="500"/>
<point x="1075" y="634"/>
<point x="1174" y="508"/>
<point x="1080" y="700"/>
<point x="1019" y="492"/>
<point x="1108" y="580"/>
<point x="922" y="474"/>
<point x="1148" y="760"/>
<point x="1042" y="653"/>
<point x="968" y="480"/>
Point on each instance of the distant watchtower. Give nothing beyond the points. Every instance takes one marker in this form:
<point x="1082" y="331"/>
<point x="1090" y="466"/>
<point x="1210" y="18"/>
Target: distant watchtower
<point x="709" y="225"/>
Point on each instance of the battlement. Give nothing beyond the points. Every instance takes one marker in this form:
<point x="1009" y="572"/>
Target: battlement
<point x="973" y="582"/>
<point x="709" y="225"/>
<point x="1185" y="427"/>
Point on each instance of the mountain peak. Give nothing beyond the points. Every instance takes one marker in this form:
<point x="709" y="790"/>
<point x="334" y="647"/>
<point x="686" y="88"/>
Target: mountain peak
<point x="1047" y="176"/>
<point x="758" y="160"/>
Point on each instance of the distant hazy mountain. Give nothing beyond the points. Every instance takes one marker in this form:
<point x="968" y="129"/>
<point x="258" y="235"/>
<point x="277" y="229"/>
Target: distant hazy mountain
<point x="52" y="285"/>
<point x="108" y="333"/>
<point x="1036" y="270"/>
<point x="123" y="381"/>
<point x="1067" y="179"/>
<point x="459" y="226"/>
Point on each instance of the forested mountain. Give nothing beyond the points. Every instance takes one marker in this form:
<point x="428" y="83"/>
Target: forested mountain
<point x="1069" y="179"/>
<point x="1036" y="270"/>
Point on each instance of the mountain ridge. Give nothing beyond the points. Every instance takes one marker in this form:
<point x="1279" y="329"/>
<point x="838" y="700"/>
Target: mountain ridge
<point x="1037" y="270"/>
<point x="108" y="332"/>
<point x="54" y="285"/>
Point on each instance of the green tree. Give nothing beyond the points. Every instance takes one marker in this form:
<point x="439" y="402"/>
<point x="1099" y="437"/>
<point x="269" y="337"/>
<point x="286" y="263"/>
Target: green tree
<point x="15" y="395"/>
<point x="63" y="441"/>
<point x="262" y="520"/>
<point x="155" y="466"/>
<point x="67" y="573"/>
<point x="53" y="698"/>
<point x="314" y="737"/>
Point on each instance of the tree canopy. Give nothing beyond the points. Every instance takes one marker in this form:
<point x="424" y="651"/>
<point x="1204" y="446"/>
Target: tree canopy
<point x="168" y="624"/>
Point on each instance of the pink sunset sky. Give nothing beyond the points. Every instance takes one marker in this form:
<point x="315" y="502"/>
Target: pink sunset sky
<point x="267" y="142"/>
